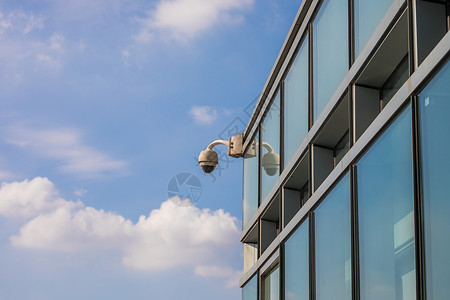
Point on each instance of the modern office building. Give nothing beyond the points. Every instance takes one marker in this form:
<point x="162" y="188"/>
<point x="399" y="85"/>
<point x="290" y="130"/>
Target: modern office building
<point x="347" y="157"/>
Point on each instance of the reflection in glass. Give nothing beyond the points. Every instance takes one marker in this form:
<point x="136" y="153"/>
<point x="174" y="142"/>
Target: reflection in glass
<point x="332" y="236"/>
<point x="250" y="188"/>
<point x="250" y="290"/>
<point x="270" y="135"/>
<point x="296" y="102"/>
<point x="395" y="81"/>
<point x="386" y="215"/>
<point x="434" y="111"/>
<point x="368" y="14"/>
<point x="272" y="285"/>
<point x="296" y="265"/>
<point x="330" y="57"/>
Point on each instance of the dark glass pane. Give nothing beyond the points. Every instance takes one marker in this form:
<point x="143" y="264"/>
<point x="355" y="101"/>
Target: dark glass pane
<point x="435" y="144"/>
<point x="296" y="264"/>
<point x="333" y="243"/>
<point x="296" y="102"/>
<point x="250" y="290"/>
<point x="386" y="215"/>
<point x="330" y="38"/>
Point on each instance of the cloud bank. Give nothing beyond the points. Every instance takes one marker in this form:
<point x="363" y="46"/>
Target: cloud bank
<point x="167" y="238"/>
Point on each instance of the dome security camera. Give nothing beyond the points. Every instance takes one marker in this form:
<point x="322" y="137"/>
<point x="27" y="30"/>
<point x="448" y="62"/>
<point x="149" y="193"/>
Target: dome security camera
<point x="271" y="163"/>
<point x="208" y="160"/>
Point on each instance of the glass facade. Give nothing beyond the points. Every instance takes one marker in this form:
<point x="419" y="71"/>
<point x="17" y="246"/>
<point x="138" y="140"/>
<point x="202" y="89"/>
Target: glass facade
<point x="296" y="102"/>
<point x="296" y="264"/>
<point x="386" y="215"/>
<point x="250" y="186"/>
<point x="363" y="212"/>
<point x="330" y="51"/>
<point x="368" y="14"/>
<point x="272" y="285"/>
<point x="270" y="136"/>
<point x="333" y="244"/>
<point x="250" y="290"/>
<point x="434" y="108"/>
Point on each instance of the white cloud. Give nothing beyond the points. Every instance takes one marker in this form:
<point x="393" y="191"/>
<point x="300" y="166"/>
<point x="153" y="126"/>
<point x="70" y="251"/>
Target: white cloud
<point x="30" y="198"/>
<point x="204" y="115"/>
<point x="184" y="19"/>
<point x="80" y="192"/>
<point x="65" y="146"/>
<point x="26" y="48"/>
<point x="169" y="237"/>
<point x="18" y="21"/>
<point x="214" y="271"/>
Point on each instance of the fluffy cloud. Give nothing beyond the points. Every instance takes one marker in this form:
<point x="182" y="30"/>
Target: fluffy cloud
<point x="66" y="146"/>
<point x="204" y="115"/>
<point x="168" y="237"/>
<point x="29" y="198"/>
<point x="233" y="276"/>
<point x="183" y="19"/>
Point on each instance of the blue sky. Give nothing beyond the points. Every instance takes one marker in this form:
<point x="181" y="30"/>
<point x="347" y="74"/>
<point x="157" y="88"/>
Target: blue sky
<point x="102" y="103"/>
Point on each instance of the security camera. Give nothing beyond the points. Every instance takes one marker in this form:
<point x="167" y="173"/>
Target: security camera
<point x="270" y="160"/>
<point x="208" y="160"/>
<point x="271" y="163"/>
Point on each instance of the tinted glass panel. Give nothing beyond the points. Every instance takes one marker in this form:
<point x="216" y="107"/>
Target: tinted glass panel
<point x="250" y="189"/>
<point x="330" y="37"/>
<point x="296" y="102"/>
<point x="272" y="285"/>
<point x="368" y="14"/>
<point x="296" y="265"/>
<point x="332" y="230"/>
<point x="435" y="144"/>
<point x="270" y="147"/>
<point x="386" y="215"/>
<point x="249" y="291"/>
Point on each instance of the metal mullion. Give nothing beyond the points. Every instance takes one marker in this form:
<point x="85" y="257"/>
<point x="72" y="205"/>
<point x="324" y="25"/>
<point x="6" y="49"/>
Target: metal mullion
<point x="447" y="7"/>
<point x="351" y="115"/>
<point x="282" y="158"/>
<point x="412" y="33"/>
<point x="351" y="33"/>
<point x="281" y="268"/>
<point x="310" y="78"/>
<point x="354" y="234"/>
<point x="418" y="203"/>
<point x="259" y="164"/>
<point x="312" y="258"/>
<point x="258" y="221"/>
<point x="310" y="170"/>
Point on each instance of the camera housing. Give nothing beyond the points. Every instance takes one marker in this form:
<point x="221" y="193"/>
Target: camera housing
<point x="208" y="160"/>
<point x="271" y="163"/>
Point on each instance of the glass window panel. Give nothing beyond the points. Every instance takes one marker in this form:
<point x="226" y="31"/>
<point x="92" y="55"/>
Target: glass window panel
<point x="386" y="215"/>
<point x="272" y="285"/>
<point x="250" y="188"/>
<point x="270" y="137"/>
<point x="333" y="244"/>
<point x="330" y="56"/>
<point x="296" y="264"/>
<point x="434" y="111"/>
<point x="296" y="102"/>
<point x="368" y="14"/>
<point x="250" y="290"/>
